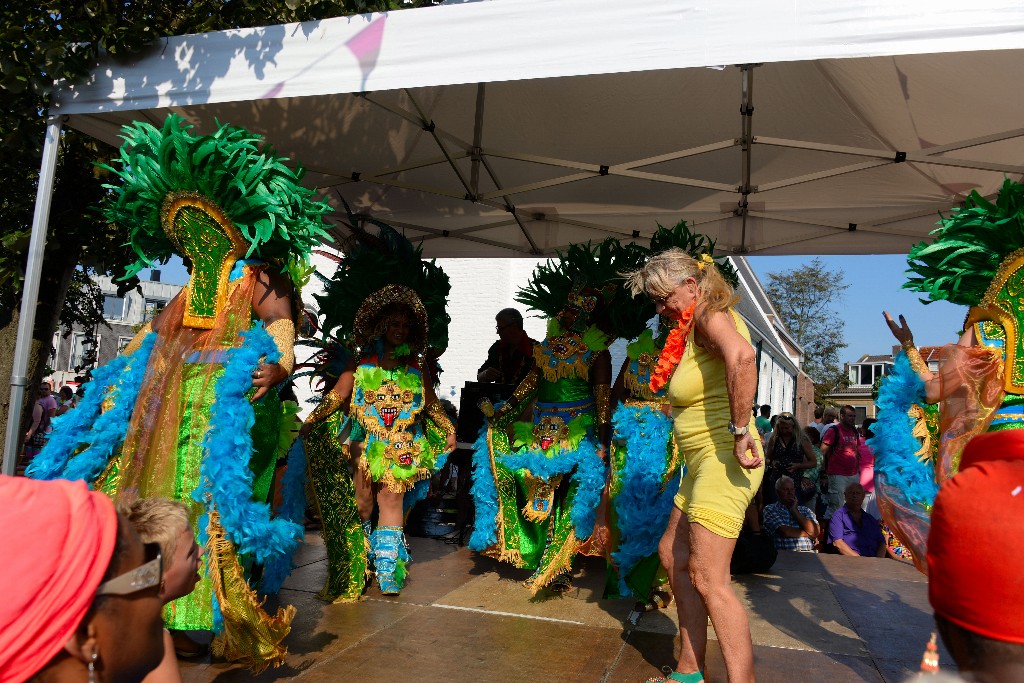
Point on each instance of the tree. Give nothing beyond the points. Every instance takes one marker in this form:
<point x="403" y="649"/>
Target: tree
<point x="49" y="40"/>
<point x="807" y="299"/>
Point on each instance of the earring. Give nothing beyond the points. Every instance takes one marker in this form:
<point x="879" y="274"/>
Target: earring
<point x="92" y="666"/>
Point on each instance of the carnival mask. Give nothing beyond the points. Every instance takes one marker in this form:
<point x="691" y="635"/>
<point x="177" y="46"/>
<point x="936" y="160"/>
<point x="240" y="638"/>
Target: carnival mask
<point x="390" y="401"/>
<point x="402" y="449"/>
<point x="550" y="430"/>
<point x="565" y="345"/>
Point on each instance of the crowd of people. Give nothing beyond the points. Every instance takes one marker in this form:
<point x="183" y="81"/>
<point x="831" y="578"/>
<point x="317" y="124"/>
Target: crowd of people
<point x="173" y="495"/>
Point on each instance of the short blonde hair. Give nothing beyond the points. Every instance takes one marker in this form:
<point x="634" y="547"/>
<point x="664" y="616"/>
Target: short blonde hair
<point x="667" y="269"/>
<point x="158" y="520"/>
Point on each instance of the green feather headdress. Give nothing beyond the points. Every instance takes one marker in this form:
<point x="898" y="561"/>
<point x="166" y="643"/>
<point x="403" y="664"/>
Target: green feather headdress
<point x="694" y="244"/>
<point x="597" y="268"/>
<point x="278" y="217"/>
<point x="372" y="261"/>
<point x="963" y="259"/>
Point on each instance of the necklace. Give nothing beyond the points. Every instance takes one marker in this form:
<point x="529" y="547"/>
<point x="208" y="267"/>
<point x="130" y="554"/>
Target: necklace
<point x="673" y="350"/>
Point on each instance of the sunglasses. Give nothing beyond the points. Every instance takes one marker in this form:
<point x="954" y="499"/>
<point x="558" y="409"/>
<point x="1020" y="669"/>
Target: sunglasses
<point x="149" y="574"/>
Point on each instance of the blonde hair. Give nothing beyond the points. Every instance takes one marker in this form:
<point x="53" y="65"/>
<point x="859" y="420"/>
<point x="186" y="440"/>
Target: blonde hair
<point x="158" y="520"/>
<point x="667" y="269"/>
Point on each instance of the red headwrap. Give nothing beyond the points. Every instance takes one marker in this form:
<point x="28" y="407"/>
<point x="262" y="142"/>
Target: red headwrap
<point x="59" y="539"/>
<point x="975" y="569"/>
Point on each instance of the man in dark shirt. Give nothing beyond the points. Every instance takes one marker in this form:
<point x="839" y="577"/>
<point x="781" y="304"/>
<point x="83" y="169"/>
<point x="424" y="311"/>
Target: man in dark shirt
<point x="511" y="357"/>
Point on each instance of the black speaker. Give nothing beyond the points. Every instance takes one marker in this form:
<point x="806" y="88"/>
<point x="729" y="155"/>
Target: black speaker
<point x="471" y="420"/>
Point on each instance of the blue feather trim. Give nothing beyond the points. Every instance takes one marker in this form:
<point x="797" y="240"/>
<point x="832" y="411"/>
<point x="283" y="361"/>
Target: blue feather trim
<point x="485" y="496"/>
<point x="894" y="444"/>
<point x="588" y="474"/>
<point x="642" y="507"/>
<point x="293" y="509"/>
<point x="226" y="479"/>
<point x="86" y="425"/>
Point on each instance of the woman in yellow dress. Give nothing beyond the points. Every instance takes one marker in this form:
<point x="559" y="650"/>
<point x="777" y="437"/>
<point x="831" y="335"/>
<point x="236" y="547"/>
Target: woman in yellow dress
<point x="709" y="367"/>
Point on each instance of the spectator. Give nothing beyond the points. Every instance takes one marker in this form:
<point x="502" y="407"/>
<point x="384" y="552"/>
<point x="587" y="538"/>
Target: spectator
<point x="47" y="399"/>
<point x="163" y="521"/>
<point x="974" y="563"/>
<point x="814" y="473"/>
<point x="762" y="423"/>
<point x="828" y="418"/>
<point x="510" y="358"/>
<point x="788" y="452"/>
<point x="819" y="414"/>
<point x="854" y="532"/>
<point x="793" y="526"/>
<point x="866" y="465"/>
<point x="65" y="400"/>
<point x="79" y="597"/>
<point x="39" y="424"/>
<point x="839" y="444"/>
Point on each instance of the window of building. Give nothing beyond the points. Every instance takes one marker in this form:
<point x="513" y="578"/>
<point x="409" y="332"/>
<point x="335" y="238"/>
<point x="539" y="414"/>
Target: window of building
<point x="113" y="307"/>
<point x="153" y="306"/>
<point x="121" y="343"/>
<point x="84" y="351"/>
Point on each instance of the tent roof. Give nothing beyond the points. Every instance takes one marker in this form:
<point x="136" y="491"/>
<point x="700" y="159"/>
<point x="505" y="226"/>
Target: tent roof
<point x="512" y="127"/>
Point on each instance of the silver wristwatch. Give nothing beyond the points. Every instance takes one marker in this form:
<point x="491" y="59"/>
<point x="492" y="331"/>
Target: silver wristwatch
<point x="738" y="431"/>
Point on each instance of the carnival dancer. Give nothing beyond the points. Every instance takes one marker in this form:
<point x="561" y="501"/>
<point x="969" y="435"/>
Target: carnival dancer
<point x="388" y="305"/>
<point x="646" y="463"/>
<point x="190" y="410"/>
<point x="926" y="418"/>
<point x="538" y="482"/>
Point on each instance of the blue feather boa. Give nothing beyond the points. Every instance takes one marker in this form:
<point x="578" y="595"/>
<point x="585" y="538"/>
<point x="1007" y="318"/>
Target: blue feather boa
<point x="225" y="476"/>
<point x="485" y="497"/>
<point x="894" y="443"/>
<point x="87" y="425"/>
<point x="293" y="509"/>
<point x="588" y="474"/>
<point x="641" y="506"/>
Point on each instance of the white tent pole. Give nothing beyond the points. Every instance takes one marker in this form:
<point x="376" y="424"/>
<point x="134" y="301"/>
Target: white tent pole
<point x="746" y="142"/>
<point x="30" y="294"/>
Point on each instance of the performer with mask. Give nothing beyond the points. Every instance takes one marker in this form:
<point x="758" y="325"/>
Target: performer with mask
<point x="388" y="306"/>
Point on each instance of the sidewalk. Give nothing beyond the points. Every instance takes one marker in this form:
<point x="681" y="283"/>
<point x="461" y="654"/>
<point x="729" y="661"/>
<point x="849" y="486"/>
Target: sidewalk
<point x="464" y="618"/>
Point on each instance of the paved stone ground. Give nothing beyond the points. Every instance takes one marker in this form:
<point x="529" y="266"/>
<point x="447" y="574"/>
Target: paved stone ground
<point x="466" y="618"/>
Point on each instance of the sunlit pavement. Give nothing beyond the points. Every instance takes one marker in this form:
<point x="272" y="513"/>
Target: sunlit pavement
<point x="466" y="618"/>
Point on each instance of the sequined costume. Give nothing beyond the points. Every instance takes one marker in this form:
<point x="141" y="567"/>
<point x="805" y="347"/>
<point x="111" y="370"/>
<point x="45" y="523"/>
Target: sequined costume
<point x="538" y="482"/>
<point x="398" y="430"/>
<point x="173" y="416"/>
<point x="976" y="260"/>
<point x="645" y="470"/>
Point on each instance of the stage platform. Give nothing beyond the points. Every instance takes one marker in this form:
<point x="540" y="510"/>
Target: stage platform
<point x="466" y="618"/>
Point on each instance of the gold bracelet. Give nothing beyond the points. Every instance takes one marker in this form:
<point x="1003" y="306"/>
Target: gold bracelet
<point x="603" y="398"/>
<point x="330" y="403"/>
<point x="435" y="411"/>
<point x="283" y="332"/>
<point x="136" y="341"/>
<point x="914" y="356"/>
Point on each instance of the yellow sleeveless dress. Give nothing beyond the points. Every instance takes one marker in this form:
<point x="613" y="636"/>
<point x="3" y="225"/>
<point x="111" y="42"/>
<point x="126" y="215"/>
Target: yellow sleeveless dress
<point x="716" y="490"/>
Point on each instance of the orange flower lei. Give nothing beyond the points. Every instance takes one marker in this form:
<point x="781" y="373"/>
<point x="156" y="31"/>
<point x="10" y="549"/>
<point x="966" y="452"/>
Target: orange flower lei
<point x="673" y="350"/>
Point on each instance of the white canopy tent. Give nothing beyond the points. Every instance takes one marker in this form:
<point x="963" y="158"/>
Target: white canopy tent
<point x="516" y="127"/>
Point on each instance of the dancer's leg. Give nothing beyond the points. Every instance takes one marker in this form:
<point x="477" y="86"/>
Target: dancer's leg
<point x="674" y="551"/>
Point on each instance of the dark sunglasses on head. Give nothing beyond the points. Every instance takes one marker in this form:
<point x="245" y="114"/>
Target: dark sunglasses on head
<point x="149" y="574"/>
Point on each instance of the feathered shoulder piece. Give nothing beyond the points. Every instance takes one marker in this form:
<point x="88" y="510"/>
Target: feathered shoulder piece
<point x="177" y="188"/>
<point x="588" y="278"/>
<point x="695" y="244"/>
<point x="969" y="246"/>
<point x="379" y="268"/>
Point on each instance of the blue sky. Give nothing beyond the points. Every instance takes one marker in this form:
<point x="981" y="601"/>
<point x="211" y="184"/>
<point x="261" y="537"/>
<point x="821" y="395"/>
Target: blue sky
<point x="875" y="285"/>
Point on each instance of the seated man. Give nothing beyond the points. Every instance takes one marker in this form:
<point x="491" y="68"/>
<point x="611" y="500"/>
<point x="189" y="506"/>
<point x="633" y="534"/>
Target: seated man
<point x="510" y="358"/>
<point x="974" y="563"/>
<point x="854" y="532"/>
<point x="794" y="527"/>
